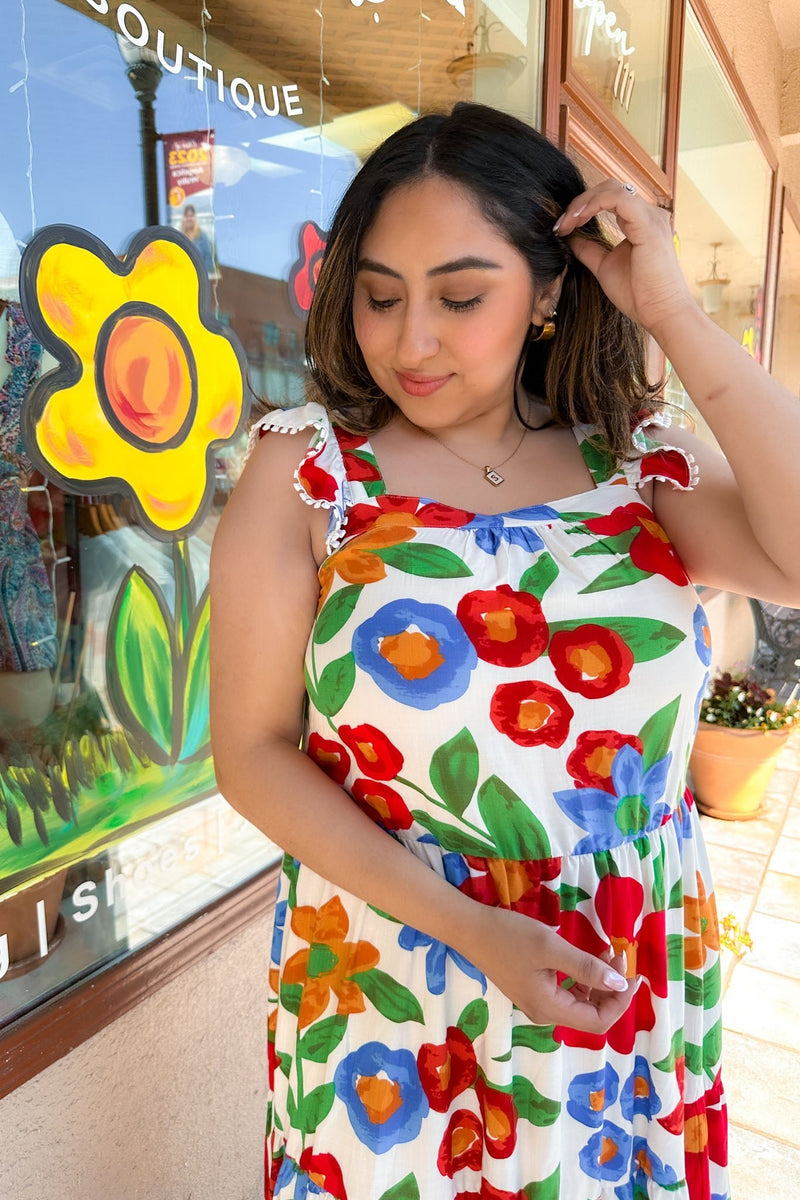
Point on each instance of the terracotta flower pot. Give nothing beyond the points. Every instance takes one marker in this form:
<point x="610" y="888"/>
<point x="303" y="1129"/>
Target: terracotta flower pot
<point x="731" y="769"/>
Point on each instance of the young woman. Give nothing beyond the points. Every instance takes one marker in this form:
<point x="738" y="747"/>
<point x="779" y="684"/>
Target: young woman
<point x="464" y="583"/>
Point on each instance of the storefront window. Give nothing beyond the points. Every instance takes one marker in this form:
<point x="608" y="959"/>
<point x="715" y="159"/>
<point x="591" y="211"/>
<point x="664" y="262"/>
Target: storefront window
<point x="786" y="347"/>
<point x="620" y="53"/>
<point x="262" y="116"/>
<point x="722" y="202"/>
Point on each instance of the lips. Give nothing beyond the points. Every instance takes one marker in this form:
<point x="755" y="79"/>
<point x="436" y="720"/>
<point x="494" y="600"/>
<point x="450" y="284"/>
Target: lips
<point x="421" y="385"/>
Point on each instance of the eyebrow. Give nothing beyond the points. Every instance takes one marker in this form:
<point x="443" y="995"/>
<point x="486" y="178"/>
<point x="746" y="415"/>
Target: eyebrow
<point x="468" y="263"/>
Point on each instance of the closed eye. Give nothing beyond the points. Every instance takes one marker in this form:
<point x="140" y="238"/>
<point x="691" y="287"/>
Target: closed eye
<point x="450" y="305"/>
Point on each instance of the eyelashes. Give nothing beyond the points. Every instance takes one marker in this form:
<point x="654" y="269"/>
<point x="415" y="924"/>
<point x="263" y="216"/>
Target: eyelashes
<point x="458" y="306"/>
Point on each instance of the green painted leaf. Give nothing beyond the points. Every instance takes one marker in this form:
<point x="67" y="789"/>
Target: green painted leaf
<point x="537" y="579"/>
<point x="314" y="1108"/>
<point x="319" y="1042"/>
<point x="544" y="1189"/>
<point x="406" y="1189"/>
<point x="336" y="612"/>
<point x="571" y="896"/>
<point x="516" y="832"/>
<point x="647" y="638"/>
<point x="392" y="999"/>
<point x="285" y="1063"/>
<point x="656" y="733"/>
<point x="454" y="771"/>
<point x="532" y="1105"/>
<point x="474" y="1019"/>
<point x="598" y="458"/>
<point x="184" y="590"/>
<point x="619" y="544"/>
<point x="433" y="562"/>
<point x="694" y="1058"/>
<point x="712" y="1049"/>
<point x="620" y="575"/>
<point x="675" y="966"/>
<point x="452" y="838"/>
<point x="290" y="996"/>
<point x="335" y="685"/>
<point x="374" y="487"/>
<point x="140" y="657"/>
<point x="196" y="725"/>
<point x="579" y="518"/>
<point x="659" y="890"/>
<point x="535" y="1037"/>
<point x="676" y="1051"/>
<point x="676" y="895"/>
<point x="712" y="989"/>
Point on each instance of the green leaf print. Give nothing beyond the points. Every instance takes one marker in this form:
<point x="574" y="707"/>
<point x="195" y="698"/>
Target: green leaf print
<point x="515" y="831"/>
<point x="604" y="864"/>
<point x="712" y="1049"/>
<point x="656" y="733"/>
<point x="545" y="1189"/>
<point x="535" y="1037"/>
<point x="704" y="991"/>
<point x="570" y="896"/>
<point x="406" y="1189"/>
<point x="319" y="1042"/>
<point x="676" y="1052"/>
<point x="675" y="967"/>
<point x="433" y="562"/>
<point x="645" y="637"/>
<point x="314" y="1108"/>
<point x="474" y="1019"/>
<point x="598" y="458"/>
<point x="392" y="999"/>
<point x="291" y="995"/>
<point x="676" y="895"/>
<point x="374" y="487"/>
<point x="537" y="579"/>
<point x="620" y="544"/>
<point x="336" y="612"/>
<point x="335" y="685"/>
<point x="454" y="771"/>
<point x="620" y="575"/>
<point x="658" y="879"/>
<point x="285" y="1064"/>
<point x="450" y="837"/>
<point x="532" y="1105"/>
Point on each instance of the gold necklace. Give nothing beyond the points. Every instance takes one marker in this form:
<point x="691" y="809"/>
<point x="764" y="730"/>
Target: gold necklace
<point x="490" y="474"/>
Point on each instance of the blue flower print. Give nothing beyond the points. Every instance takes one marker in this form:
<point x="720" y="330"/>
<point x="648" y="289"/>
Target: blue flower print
<point x="638" y="1096"/>
<point x="702" y="636"/>
<point x="304" y="1186"/>
<point x="607" y="1154"/>
<point x="646" y="1169"/>
<point x="591" y="1094"/>
<point x="491" y="532"/>
<point x="436" y="959"/>
<point x="634" y="807"/>
<point x="416" y="653"/>
<point x="277" y="932"/>
<point x="383" y="1094"/>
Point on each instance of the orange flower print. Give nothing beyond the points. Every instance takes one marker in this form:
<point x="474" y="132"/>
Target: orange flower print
<point x="700" y="918"/>
<point x="357" y="562"/>
<point x="329" y="962"/>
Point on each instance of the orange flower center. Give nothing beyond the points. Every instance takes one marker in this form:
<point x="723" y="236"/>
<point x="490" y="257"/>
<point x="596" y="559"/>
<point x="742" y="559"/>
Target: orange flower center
<point x="412" y="653"/>
<point x="380" y="1097"/>
<point x="600" y="760"/>
<point x="147" y="378"/>
<point x="501" y="625"/>
<point x="592" y="662"/>
<point x="608" y="1151"/>
<point x="533" y="714"/>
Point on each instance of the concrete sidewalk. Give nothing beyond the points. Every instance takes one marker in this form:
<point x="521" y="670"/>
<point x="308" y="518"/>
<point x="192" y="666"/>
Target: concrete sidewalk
<point x="756" y="869"/>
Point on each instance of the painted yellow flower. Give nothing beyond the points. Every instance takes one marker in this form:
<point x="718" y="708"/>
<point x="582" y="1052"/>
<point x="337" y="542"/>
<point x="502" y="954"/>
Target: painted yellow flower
<point x="149" y="382"/>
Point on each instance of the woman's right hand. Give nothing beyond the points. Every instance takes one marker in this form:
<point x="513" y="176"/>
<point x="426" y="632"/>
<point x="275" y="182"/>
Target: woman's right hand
<point x="524" y="958"/>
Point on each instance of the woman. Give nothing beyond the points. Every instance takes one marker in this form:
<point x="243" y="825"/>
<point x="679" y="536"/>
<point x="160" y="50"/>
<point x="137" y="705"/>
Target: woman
<point x="495" y="967"/>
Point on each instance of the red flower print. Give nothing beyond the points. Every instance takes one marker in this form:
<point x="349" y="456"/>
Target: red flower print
<point x="488" y="1192"/>
<point x="509" y="883"/>
<point x="446" y="1070"/>
<point x="348" y="440"/>
<point x="311" y="242"/>
<point x="505" y="627"/>
<point x="462" y="1144"/>
<point x="651" y="549"/>
<point x="590" y="762"/>
<point x="705" y="1137"/>
<point x="374" y="753"/>
<point x="531" y="713"/>
<point x="499" y="1119"/>
<point x="431" y="515"/>
<point x="318" y="483"/>
<point x="360" y="468"/>
<point x="330" y="756"/>
<point x="382" y="803"/>
<point x="591" y="660"/>
<point x="666" y="463"/>
<point x="324" y="1171"/>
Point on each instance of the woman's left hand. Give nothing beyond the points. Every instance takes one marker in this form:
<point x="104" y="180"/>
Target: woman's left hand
<point x="641" y="275"/>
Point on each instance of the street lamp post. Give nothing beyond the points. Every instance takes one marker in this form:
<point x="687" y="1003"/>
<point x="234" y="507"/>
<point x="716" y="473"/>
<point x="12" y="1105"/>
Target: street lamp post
<point x="144" y="75"/>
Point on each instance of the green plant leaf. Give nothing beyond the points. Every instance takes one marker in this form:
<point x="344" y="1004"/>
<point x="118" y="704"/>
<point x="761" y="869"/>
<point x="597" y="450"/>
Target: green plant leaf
<point x="454" y="771"/>
<point x="314" y="1108"/>
<point x="450" y="837"/>
<point x="656" y="733"/>
<point x="290" y="996"/>
<point x="196" y="723"/>
<point x="598" y="458"/>
<point x="537" y="579"/>
<point x="712" y="1048"/>
<point x="675" y="965"/>
<point x="570" y="896"/>
<point x="406" y="1189"/>
<point x="535" y="1037"/>
<point x="619" y="543"/>
<point x="319" y="1042"/>
<point x="544" y="1189"/>
<point x="392" y="999"/>
<point x="532" y="1105"/>
<point x="184" y="590"/>
<point x="620" y="575"/>
<point x="474" y="1019"/>
<point x="336" y="612"/>
<point x="645" y="637"/>
<point x="140" y="658"/>
<point x="676" y="1050"/>
<point x="433" y="562"/>
<point x="335" y="685"/>
<point x="516" y="832"/>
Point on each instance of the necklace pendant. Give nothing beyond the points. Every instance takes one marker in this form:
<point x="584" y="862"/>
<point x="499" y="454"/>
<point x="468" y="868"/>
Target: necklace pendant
<point x="493" y="477"/>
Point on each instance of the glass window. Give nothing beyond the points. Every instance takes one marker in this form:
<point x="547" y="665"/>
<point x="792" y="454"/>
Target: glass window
<point x="786" y="346"/>
<point x="620" y="53"/>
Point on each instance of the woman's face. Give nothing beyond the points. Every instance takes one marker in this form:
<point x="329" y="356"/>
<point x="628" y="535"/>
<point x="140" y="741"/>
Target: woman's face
<point x="442" y="305"/>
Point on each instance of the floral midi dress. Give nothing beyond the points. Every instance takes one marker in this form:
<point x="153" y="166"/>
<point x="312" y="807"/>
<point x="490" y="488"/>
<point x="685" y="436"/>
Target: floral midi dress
<point x="513" y="698"/>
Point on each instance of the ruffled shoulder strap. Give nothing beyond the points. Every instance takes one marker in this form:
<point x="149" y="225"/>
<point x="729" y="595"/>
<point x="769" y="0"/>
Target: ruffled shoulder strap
<point x="320" y="477"/>
<point x="655" y="459"/>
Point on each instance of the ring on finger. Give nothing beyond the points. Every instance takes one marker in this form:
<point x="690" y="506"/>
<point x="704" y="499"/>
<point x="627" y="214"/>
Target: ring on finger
<point x="630" y="187"/>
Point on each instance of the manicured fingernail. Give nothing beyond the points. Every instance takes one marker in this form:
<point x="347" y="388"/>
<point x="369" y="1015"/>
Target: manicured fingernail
<point x="558" y="222"/>
<point x="614" y="981"/>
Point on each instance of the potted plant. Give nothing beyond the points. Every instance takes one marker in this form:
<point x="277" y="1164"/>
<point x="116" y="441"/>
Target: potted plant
<point x="743" y="727"/>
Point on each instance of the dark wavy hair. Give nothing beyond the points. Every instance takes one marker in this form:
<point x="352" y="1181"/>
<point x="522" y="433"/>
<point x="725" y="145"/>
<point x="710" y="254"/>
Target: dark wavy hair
<point x="594" y="369"/>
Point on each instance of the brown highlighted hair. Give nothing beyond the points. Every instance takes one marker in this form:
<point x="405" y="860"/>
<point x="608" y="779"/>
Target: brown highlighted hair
<point x="594" y="369"/>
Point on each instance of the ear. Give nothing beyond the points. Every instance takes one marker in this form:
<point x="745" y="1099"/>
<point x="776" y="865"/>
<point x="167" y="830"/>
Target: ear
<point x="546" y="302"/>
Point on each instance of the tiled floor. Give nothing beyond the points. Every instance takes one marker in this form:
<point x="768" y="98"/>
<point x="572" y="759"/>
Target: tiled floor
<point x="756" y="866"/>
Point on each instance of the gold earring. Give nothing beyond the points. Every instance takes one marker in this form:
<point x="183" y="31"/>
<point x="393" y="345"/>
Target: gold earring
<point x="544" y="332"/>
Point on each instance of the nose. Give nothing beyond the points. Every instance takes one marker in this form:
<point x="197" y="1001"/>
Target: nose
<point x="417" y="337"/>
